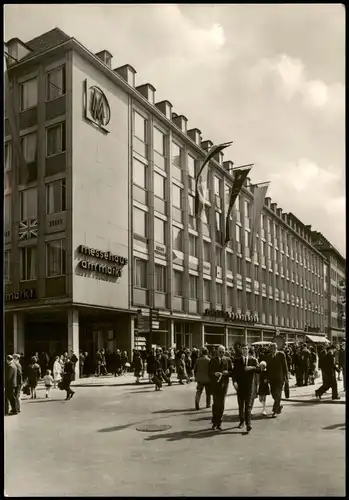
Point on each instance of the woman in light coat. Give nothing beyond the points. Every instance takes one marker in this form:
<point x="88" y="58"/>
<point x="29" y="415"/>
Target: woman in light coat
<point x="57" y="371"/>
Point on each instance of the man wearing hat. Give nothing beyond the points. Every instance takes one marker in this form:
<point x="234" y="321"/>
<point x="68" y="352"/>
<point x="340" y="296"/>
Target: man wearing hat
<point x="329" y="369"/>
<point x="17" y="391"/>
<point x="10" y="386"/>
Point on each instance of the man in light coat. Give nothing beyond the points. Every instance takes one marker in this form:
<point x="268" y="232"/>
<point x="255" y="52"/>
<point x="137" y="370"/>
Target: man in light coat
<point x="17" y="390"/>
<point x="10" y="386"/>
<point x="202" y="378"/>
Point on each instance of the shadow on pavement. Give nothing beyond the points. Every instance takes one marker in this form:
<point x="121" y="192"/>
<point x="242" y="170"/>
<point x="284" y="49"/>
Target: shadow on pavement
<point x="45" y="400"/>
<point x="232" y="418"/>
<point x="116" y="428"/>
<point x="202" y="434"/>
<point x="176" y="411"/>
<point x="301" y="402"/>
<point x="340" y="427"/>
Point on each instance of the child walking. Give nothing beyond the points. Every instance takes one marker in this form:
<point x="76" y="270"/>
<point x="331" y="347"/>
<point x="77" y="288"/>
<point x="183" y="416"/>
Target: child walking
<point x="48" y="381"/>
<point x="263" y="388"/>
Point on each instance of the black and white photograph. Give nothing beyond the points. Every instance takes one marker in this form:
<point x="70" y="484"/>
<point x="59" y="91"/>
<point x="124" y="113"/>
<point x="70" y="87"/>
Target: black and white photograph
<point x="174" y="250"/>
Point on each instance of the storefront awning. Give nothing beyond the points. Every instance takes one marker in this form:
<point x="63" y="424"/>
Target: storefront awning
<point x="318" y="339"/>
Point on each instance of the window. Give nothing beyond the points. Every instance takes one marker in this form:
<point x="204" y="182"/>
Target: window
<point x="140" y="273"/>
<point x="159" y="142"/>
<point x="7" y="267"/>
<point x="55" y="83"/>
<point x="217" y="185"/>
<point x="140" y="127"/>
<point x="176" y="155"/>
<point x="191" y="166"/>
<point x="229" y="260"/>
<point x="55" y="258"/>
<point x="177" y="196"/>
<point x="160" y="279"/>
<point x="248" y="269"/>
<point x="55" y="197"/>
<point x="28" y="266"/>
<point x="239" y="266"/>
<point x="207" y="251"/>
<point x="177" y="283"/>
<point x="28" y="203"/>
<point x="230" y="297"/>
<point x="55" y="139"/>
<point x="29" y="147"/>
<point x="218" y="257"/>
<point x="247" y="209"/>
<point x="193" y="287"/>
<point x="7" y="155"/>
<point x="159" y="186"/>
<point x="207" y="290"/>
<point x="29" y="94"/>
<point x="219" y="292"/>
<point x="247" y="240"/>
<point x="238" y="233"/>
<point x="218" y="222"/>
<point x="139" y="222"/>
<point x="139" y="174"/>
<point x="159" y="230"/>
<point x="193" y="247"/>
<point x="7" y="209"/>
<point x="177" y="236"/>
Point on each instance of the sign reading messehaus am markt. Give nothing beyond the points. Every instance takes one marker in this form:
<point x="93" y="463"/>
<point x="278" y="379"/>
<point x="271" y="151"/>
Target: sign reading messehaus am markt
<point x="111" y="265"/>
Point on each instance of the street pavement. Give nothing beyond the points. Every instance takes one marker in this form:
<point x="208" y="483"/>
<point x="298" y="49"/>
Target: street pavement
<point x="90" y="446"/>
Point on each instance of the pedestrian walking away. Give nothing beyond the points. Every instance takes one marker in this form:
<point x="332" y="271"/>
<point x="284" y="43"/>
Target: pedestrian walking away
<point x="276" y="375"/>
<point x="48" y="381"/>
<point x="329" y="368"/>
<point x="220" y="369"/>
<point x="244" y="380"/>
<point x="202" y="378"/>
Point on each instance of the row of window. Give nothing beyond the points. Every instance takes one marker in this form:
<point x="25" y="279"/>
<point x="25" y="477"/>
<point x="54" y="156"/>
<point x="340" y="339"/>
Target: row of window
<point x="141" y="281"/>
<point x="55" y="261"/>
<point x="28" y="201"/>
<point x="55" y="87"/>
<point x="55" y="144"/>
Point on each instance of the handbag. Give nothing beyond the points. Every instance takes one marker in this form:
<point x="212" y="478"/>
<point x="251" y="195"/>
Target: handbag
<point x="61" y="385"/>
<point x="287" y="389"/>
<point x="26" y="390"/>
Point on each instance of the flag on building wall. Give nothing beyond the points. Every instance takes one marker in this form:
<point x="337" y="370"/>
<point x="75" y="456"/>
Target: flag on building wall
<point x="259" y="193"/>
<point x="201" y="178"/>
<point x="240" y="174"/>
<point x="12" y="112"/>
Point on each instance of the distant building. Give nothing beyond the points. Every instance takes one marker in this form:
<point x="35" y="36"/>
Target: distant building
<point x="102" y="222"/>
<point x="336" y="286"/>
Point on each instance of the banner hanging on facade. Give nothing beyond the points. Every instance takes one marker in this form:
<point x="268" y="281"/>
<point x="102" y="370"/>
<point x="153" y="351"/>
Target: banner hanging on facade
<point x="240" y="174"/>
<point x="200" y="184"/>
<point x="260" y="191"/>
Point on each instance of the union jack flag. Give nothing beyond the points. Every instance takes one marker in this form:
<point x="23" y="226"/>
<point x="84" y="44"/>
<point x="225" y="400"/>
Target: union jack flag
<point x="28" y="229"/>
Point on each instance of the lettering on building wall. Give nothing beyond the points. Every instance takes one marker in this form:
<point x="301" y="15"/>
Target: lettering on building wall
<point x="27" y="294"/>
<point x="230" y="316"/>
<point x="54" y="223"/>
<point x="97" y="109"/>
<point x="109" y="272"/>
<point x="160" y="250"/>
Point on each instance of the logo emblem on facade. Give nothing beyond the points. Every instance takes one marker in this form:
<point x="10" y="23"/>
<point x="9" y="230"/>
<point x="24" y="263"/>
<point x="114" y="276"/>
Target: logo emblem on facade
<point x="97" y="109"/>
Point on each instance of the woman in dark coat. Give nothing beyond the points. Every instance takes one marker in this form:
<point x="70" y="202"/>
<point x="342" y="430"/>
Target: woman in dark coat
<point x="312" y="365"/>
<point x="189" y="366"/>
<point x="182" y="370"/>
<point x="34" y="375"/>
<point x="67" y="379"/>
<point x="151" y="365"/>
<point x="137" y="365"/>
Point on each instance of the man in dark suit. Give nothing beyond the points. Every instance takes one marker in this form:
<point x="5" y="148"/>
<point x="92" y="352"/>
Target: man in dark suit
<point x="244" y="371"/>
<point x="276" y="375"/>
<point x="10" y="386"/>
<point x="220" y="369"/>
<point x="17" y="390"/>
<point x="329" y="369"/>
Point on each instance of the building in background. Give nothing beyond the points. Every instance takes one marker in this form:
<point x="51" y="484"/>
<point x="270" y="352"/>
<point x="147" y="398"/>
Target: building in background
<point x="336" y="286"/>
<point x="101" y="225"/>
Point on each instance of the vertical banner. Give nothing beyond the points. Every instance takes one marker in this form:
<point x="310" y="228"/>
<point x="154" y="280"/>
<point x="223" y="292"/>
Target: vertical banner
<point x="12" y="115"/>
<point x="201" y="178"/>
<point x="240" y="174"/>
<point x="258" y="202"/>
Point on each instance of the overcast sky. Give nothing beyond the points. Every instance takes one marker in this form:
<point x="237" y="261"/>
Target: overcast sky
<point x="268" y="77"/>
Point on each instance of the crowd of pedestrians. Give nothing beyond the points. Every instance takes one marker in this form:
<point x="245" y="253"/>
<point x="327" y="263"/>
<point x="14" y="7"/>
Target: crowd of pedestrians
<point x="255" y="371"/>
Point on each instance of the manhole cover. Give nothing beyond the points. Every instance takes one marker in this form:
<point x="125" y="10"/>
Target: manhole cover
<point x="153" y="428"/>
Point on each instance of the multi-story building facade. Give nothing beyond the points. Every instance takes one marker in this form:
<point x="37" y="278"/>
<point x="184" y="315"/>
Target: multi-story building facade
<point x="335" y="276"/>
<point x="102" y="223"/>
